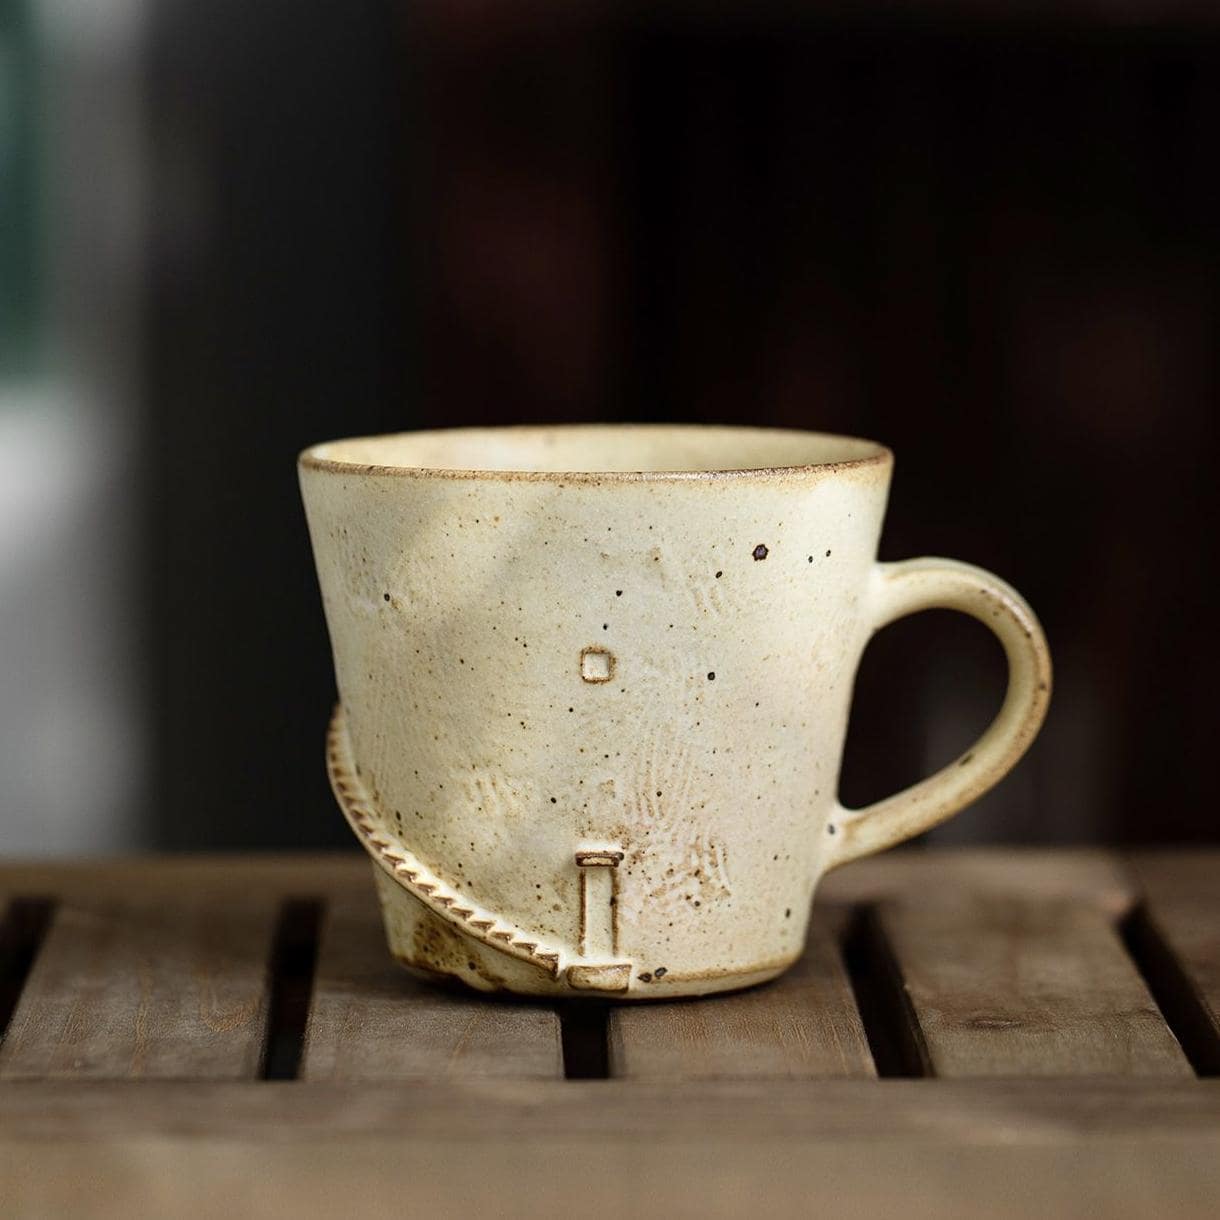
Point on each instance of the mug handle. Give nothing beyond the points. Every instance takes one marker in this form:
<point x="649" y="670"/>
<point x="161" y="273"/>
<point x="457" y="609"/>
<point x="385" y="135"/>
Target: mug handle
<point x="898" y="589"/>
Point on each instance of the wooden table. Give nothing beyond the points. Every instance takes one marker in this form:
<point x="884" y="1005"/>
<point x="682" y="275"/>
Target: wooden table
<point x="982" y="1033"/>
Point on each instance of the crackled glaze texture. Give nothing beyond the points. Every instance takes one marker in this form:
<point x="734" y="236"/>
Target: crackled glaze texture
<point x="594" y="684"/>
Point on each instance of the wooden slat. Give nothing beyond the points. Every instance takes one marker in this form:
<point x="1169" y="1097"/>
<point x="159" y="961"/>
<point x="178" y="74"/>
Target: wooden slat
<point x="618" y="1112"/>
<point x="804" y="1024"/>
<point x="370" y="1020"/>
<point x="528" y="1148"/>
<point x="282" y="874"/>
<point x="1177" y="935"/>
<point x="167" y="1176"/>
<point x="134" y="988"/>
<point x="710" y="1179"/>
<point x="1088" y="876"/>
<point x="1015" y="987"/>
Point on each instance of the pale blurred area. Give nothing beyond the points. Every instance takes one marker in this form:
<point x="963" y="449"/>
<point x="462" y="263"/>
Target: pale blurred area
<point x="73" y="738"/>
<point x="193" y="221"/>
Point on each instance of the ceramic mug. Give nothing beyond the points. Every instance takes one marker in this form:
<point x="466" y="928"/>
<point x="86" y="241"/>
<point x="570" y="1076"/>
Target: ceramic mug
<point x="593" y="690"/>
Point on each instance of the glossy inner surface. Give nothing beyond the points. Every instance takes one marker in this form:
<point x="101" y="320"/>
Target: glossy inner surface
<point x="598" y="448"/>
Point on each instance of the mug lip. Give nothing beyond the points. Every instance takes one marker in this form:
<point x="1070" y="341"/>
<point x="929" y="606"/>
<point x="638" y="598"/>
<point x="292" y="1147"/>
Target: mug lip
<point x="312" y="458"/>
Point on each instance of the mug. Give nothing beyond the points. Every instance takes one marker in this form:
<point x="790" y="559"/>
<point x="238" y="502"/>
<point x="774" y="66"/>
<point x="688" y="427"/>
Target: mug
<point x="593" y="691"/>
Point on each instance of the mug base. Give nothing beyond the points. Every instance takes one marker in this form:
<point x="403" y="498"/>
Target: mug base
<point x="435" y="951"/>
<point x="434" y="928"/>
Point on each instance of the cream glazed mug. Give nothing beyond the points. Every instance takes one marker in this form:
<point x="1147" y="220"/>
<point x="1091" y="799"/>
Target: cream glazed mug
<point x="593" y="691"/>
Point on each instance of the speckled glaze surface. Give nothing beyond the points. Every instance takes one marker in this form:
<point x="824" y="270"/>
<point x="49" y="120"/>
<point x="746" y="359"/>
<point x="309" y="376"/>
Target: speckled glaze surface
<point x="594" y="684"/>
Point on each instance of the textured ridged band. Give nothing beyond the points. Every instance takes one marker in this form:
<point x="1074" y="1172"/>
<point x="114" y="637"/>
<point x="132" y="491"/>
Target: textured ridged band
<point x="392" y="856"/>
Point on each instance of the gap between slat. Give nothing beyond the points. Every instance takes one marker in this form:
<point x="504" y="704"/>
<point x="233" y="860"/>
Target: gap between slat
<point x="23" y="928"/>
<point x="890" y="1024"/>
<point x="294" y="959"/>
<point x="584" y="1027"/>
<point x="1180" y="1004"/>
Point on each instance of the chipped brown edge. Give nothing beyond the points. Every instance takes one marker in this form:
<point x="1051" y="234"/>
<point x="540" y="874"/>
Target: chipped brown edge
<point x="396" y="860"/>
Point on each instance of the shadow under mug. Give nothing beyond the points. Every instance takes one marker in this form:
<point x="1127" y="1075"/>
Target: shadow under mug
<point x="594" y="684"/>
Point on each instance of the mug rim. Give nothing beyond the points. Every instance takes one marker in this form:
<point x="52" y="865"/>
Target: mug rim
<point x="315" y="457"/>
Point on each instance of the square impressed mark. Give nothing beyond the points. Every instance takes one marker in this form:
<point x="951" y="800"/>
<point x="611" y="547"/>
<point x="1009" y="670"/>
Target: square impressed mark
<point x="596" y="665"/>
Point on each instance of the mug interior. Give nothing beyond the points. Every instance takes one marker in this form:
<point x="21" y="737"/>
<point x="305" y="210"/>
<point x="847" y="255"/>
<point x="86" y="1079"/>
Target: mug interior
<point x="640" y="450"/>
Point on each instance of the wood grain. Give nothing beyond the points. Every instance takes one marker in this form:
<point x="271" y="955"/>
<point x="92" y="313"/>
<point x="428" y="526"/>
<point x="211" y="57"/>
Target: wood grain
<point x="804" y="1024"/>
<point x="279" y="874"/>
<point x="1006" y="1112"/>
<point x="370" y="1020"/>
<point x="1002" y="986"/>
<point x="1091" y="876"/>
<point x="136" y="988"/>
<point x="714" y="1178"/>
<point x="905" y="1149"/>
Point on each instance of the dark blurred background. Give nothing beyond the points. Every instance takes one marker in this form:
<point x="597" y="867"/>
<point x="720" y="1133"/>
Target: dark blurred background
<point x="985" y="234"/>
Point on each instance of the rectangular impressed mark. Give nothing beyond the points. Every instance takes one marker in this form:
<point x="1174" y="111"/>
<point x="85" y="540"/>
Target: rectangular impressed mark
<point x="596" y="664"/>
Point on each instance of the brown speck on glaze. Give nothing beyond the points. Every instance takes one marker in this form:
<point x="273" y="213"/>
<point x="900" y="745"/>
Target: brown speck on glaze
<point x="719" y="575"/>
<point x="711" y="676"/>
<point x="760" y="552"/>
